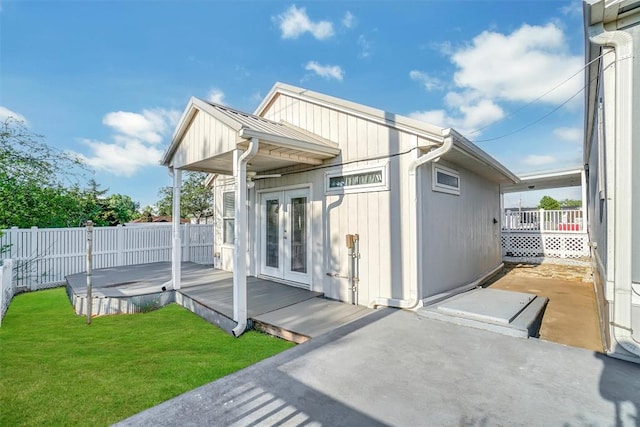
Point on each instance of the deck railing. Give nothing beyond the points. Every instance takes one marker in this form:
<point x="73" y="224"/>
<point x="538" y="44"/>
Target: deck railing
<point x="543" y="221"/>
<point x="542" y="233"/>
<point x="44" y="256"/>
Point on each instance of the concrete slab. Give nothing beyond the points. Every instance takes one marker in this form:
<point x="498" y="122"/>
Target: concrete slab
<point x="492" y="305"/>
<point x="397" y="368"/>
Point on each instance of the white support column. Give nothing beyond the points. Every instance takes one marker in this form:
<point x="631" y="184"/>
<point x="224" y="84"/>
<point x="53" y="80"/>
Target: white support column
<point x="240" y="237"/>
<point x="176" y="259"/>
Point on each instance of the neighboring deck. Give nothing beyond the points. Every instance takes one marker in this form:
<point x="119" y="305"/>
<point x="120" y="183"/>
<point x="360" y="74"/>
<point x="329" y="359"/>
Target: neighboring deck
<point x="289" y="312"/>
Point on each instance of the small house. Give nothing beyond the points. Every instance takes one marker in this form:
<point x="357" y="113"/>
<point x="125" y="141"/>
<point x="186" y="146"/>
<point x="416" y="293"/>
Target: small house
<point x="363" y="205"/>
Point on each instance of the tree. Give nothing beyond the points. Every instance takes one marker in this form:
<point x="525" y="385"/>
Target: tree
<point x="571" y="203"/>
<point x="196" y="199"/>
<point x="118" y="209"/>
<point x="34" y="179"/>
<point x="548" y="203"/>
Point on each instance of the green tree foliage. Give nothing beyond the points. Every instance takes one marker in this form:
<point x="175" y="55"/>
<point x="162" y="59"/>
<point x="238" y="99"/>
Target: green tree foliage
<point x="548" y="203"/>
<point x="39" y="186"/>
<point x="196" y="199"/>
<point x="571" y="203"/>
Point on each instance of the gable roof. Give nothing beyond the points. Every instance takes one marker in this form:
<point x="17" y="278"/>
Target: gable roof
<point x="464" y="152"/>
<point x="248" y="126"/>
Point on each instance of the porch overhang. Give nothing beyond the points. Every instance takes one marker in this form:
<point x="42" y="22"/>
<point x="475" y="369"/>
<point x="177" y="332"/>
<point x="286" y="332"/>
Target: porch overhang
<point x="208" y="134"/>
<point x="545" y="181"/>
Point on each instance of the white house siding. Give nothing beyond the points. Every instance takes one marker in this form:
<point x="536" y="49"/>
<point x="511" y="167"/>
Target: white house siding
<point x="205" y="137"/>
<point x="460" y="241"/>
<point x="635" y="32"/>
<point x="379" y="218"/>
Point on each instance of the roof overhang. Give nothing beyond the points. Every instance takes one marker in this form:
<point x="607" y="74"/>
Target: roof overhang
<point x="545" y="181"/>
<point x="280" y="144"/>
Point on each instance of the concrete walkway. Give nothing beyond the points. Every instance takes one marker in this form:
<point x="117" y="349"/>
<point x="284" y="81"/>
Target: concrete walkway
<point x="396" y="368"/>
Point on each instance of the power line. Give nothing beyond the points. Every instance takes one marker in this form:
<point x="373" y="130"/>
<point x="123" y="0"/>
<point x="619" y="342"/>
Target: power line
<point x="540" y="97"/>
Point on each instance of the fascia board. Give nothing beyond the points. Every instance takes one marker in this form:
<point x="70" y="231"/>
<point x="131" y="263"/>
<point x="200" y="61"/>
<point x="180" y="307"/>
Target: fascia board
<point x="290" y="143"/>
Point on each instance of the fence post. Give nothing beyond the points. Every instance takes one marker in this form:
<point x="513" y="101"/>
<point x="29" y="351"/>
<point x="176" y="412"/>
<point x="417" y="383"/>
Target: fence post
<point x="89" y="270"/>
<point x="542" y="220"/>
<point x="34" y="254"/>
<point x="120" y="245"/>
<point x="186" y="253"/>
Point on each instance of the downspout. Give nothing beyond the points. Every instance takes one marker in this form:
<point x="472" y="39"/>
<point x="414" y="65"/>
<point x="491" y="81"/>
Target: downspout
<point x="415" y="228"/>
<point x="240" y="238"/>
<point x="620" y="189"/>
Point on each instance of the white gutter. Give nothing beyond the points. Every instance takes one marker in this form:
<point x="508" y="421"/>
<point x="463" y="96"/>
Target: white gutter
<point x="415" y="228"/>
<point x="240" y="237"/>
<point x="620" y="190"/>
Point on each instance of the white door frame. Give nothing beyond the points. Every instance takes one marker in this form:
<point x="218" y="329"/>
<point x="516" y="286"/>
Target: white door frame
<point x="283" y="272"/>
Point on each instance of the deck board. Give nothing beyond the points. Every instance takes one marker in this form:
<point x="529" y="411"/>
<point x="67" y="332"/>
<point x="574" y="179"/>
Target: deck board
<point x="290" y="311"/>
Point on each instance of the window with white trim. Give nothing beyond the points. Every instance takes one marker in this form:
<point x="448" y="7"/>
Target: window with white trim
<point x="357" y="180"/>
<point x="445" y="180"/>
<point x="228" y="217"/>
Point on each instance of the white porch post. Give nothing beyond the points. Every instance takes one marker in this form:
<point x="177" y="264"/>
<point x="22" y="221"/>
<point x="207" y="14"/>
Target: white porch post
<point x="177" y="243"/>
<point x="240" y="237"/>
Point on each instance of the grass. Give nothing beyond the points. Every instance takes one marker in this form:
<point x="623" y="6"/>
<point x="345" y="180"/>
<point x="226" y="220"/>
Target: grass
<point x="57" y="370"/>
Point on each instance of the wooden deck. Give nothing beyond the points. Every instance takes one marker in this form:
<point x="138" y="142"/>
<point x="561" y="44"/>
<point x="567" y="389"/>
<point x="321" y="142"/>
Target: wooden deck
<point x="289" y="312"/>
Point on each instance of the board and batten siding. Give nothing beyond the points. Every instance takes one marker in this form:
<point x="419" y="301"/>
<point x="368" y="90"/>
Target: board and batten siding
<point x="205" y="137"/>
<point x="380" y="218"/>
<point x="460" y="240"/>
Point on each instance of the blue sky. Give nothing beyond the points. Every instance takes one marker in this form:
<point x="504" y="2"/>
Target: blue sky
<point x="109" y="79"/>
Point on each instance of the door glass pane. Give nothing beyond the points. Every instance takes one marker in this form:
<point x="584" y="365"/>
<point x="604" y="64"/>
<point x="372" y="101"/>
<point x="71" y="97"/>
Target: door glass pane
<point x="299" y="234"/>
<point x="273" y="233"/>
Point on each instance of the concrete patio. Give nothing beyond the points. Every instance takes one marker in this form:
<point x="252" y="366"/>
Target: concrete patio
<point x="396" y="368"/>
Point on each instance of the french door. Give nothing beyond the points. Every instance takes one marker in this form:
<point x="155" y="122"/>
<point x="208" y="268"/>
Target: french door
<point x="285" y="240"/>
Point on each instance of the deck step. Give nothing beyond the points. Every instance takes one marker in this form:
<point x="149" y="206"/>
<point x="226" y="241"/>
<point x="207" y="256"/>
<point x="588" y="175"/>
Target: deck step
<point x="509" y="313"/>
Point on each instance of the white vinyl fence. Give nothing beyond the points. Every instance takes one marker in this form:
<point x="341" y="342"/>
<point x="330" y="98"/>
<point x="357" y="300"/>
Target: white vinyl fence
<point x="542" y="233"/>
<point x="6" y="287"/>
<point x="44" y="256"/>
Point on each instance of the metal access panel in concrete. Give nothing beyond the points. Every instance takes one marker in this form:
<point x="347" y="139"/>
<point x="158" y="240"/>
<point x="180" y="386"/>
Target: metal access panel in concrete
<point x="493" y="305"/>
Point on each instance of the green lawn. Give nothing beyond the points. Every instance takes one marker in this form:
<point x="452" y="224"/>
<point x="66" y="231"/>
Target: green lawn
<point x="57" y="370"/>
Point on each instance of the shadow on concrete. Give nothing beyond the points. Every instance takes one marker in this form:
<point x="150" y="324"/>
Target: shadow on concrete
<point x="616" y="388"/>
<point x="272" y="396"/>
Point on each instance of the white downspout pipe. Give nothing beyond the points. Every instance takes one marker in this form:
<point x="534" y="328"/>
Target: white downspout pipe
<point x="240" y="238"/>
<point x="415" y="229"/>
<point x="620" y="147"/>
<point x="176" y="260"/>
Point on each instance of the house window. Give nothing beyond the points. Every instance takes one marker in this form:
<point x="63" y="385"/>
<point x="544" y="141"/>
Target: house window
<point x="356" y="181"/>
<point x="446" y="180"/>
<point x="228" y="217"/>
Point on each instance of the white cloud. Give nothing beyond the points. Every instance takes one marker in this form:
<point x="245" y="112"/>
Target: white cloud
<point x="148" y="126"/>
<point x="295" y="22"/>
<point x="574" y="8"/>
<point x="216" y="96"/>
<point x="123" y="158"/>
<point x="519" y="66"/>
<point x="135" y="143"/>
<point x="326" y="71"/>
<point x="472" y="116"/>
<point x="349" y="20"/>
<point x="537" y="160"/>
<point x="5" y="113"/>
<point x="365" y="47"/>
<point x="428" y="82"/>
<point x="569" y="134"/>
<point x="495" y="68"/>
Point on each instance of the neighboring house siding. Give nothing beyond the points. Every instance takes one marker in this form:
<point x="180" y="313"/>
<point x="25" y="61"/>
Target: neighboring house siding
<point x="462" y="225"/>
<point x="635" y="32"/>
<point x="204" y="138"/>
